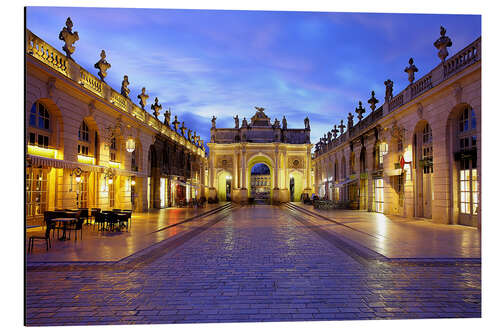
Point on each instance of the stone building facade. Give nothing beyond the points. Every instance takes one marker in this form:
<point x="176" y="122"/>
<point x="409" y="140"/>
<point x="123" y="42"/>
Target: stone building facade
<point x="234" y="151"/>
<point x="419" y="153"/>
<point x="88" y="145"/>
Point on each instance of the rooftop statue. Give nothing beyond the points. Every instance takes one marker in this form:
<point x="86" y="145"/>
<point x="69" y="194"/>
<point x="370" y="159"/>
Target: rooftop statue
<point x="156" y="108"/>
<point x="244" y="123"/>
<point x="260" y="112"/>
<point x="329" y="136"/>
<point x="388" y="90"/>
<point x="442" y="43"/>
<point x="143" y="98"/>
<point x="236" y="122"/>
<point x="183" y="129"/>
<point x="102" y="65"/>
<point x="213" y="121"/>
<point x="306" y="123"/>
<point x="284" y="123"/>
<point x="350" y="120"/>
<point x="167" y="117"/>
<point x="190" y="138"/>
<point x="411" y="71"/>
<point x="276" y="123"/>
<point x="69" y="37"/>
<point x="125" y="89"/>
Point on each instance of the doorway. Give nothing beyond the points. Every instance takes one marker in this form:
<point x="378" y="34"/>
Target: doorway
<point x="260" y="183"/>
<point x="292" y="187"/>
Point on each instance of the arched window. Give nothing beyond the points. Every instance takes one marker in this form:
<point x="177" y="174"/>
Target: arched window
<point x="362" y="160"/>
<point x="343" y="168"/>
<point x="352" y="163"/>
<point x="335" y="173"/>
<point x="468" y="180"/>
<point x="39" y="126"/>
<point x="133" y="160"/>
<point x="112" y="150"/>
<point x="83" y="139"/>
<point x="427" y="154"/>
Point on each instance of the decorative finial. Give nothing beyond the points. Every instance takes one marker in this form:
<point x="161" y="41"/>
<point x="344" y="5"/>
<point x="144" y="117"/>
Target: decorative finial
<point x="335" y="131"/>
<point x="143" y="98"/>
<point x="102" y="65"/>
<point x="125" y="89"/>
<point x="373" y="101"/>
<point x="175" y="123"/>
<point x="69" y="37"/>
<point x="156" y="108"/>
<point x="411" y="71"/>
<point x="442" y="43"/>
<point x="341" y="126"/>
<point x="360" y="110"/>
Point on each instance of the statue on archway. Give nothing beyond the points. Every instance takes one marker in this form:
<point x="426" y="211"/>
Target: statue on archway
<point x="236" y="122"/>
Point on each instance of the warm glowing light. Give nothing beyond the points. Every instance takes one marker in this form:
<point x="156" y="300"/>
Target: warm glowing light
<point x="110" y="181"/>
<point x="86" y="159"/>
<point x="40" y="151"/>
<point x="133" y="182"/>
<point x="130" y="145"/>
<point x="114" y="164"/>
<point x="407" y="155"/>
<point x="384" y="148"/>
<point x="229" y="177"/>
<point x="78" y="179"/>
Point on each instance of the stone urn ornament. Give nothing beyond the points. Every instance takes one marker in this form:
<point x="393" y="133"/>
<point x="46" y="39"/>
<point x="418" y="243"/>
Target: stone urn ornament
<point x="156" y="108"/>
<point x="69" y="37"/>
<point x="341" y="126"/>
<point x="335" y="131"/>
<point x="306" y="123"/>
<point x="350" y="120"/>
<point x="360" y="110"/>
<point x="373" y="101"/>
<point x="411" y="70"/>
<point x="102" y="65"/>
<point x="143" y="98"/>
<point x="442" y="43"/>
<point x="125" y="90"/>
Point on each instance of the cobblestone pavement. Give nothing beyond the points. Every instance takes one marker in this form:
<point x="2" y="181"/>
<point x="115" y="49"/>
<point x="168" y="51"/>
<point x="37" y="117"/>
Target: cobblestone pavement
<point x="257" y="264"/>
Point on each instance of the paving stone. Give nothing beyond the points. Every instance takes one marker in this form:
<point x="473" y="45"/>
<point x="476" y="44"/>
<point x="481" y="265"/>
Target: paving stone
<point x="258" y="264"/>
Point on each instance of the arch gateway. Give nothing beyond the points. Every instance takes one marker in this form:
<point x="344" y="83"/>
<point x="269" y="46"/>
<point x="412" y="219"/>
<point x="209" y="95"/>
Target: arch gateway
<point x="234" y="151"/>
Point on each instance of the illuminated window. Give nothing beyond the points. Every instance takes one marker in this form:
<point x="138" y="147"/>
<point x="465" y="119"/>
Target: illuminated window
<point x="112" y="150"/>
<point x="39" y="126"/>
<point x="468" y="178"/>
<point x="427" y="154"/>
<point x="83" y="139"/>
<point x="111" y="189"/>
<point x="352" y="163"/>
<point x="36" y="191"/>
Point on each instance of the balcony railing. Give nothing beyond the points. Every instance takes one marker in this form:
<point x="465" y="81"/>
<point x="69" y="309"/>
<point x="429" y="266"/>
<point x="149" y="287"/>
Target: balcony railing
<point x="462" y="59"/>
<point x="90" y="82"/>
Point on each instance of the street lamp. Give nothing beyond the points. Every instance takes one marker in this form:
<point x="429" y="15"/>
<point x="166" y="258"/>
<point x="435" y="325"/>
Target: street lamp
<point x="130" y="145"/>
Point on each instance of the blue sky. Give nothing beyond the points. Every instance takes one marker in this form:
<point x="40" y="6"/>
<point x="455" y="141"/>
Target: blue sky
<point x="210" y="62"/>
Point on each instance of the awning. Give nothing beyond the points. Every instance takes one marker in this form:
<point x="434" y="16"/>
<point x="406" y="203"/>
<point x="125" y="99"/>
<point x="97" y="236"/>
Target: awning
<point x="345" y="182"/>
<point x="394" y="172"/>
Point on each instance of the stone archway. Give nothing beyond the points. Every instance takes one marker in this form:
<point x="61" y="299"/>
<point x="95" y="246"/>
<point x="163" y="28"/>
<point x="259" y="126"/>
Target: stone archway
<point x="260" y="159"/>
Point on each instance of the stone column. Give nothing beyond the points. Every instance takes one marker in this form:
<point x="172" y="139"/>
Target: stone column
<point x="308" y="171"/>
<point x="285" y="168"/>
<point x="276" y="168"/>
<point x="244" y="169"/>
<point x="234" y="181"/>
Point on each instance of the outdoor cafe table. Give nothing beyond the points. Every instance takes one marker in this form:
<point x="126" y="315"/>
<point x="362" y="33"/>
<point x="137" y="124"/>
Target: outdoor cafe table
<point x="64" y="221"/>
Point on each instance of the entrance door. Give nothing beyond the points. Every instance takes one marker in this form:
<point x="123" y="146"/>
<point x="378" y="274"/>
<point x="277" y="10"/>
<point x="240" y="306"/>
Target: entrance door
<point x="379" y="195"/>
<point x="469" y="194"/>
<point x="292" y="188"/>
<point x="228" y="189"/>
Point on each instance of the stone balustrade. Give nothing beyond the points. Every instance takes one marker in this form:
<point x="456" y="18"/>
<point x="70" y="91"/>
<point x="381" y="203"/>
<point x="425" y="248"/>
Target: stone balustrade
<point x="467" y="56"/>
<point x="44" y="52"/>
<point x="461" y="60"/>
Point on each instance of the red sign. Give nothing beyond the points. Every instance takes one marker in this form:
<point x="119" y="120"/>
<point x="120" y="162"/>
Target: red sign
<point x="402" y="162"/>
